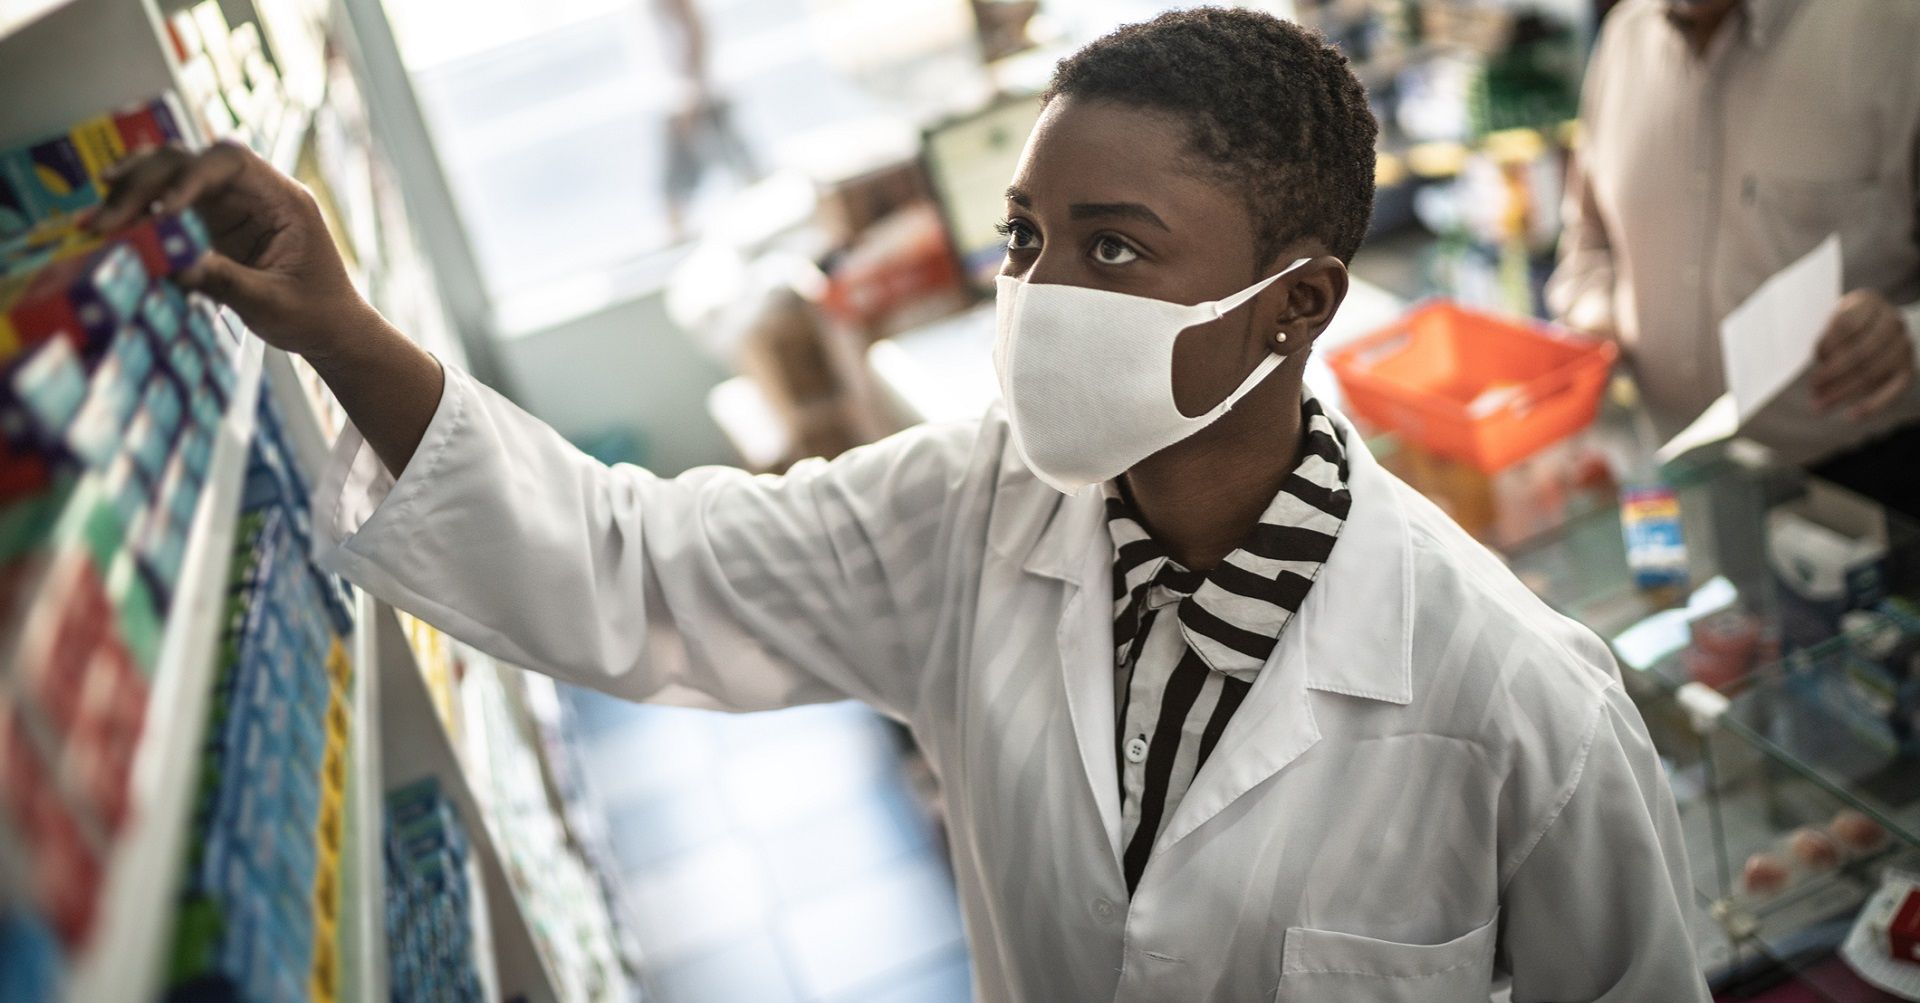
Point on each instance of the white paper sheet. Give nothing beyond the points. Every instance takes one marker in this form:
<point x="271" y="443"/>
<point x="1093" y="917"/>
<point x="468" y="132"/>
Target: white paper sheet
<point x="1766" y="342"/>
<point x="1719" y="421"/>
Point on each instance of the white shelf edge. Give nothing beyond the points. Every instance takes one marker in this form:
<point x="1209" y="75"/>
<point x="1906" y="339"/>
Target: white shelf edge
<point x="18" y="14"/>
<point x="366" y="957"/>
<point x="124" y="958"/>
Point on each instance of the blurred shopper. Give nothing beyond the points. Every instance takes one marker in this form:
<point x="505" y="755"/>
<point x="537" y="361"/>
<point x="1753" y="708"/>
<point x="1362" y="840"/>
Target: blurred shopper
<point x="700" y="132"/>
<point x="1724" y="139"/>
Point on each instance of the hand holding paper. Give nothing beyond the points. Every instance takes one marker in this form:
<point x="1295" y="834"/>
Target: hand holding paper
<point x="1865" y="360"/>
<point x="1766" y="342"/>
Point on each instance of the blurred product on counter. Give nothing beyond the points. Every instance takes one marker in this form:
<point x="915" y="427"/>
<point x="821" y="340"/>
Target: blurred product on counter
<point x="846" y="207"/>
<point x="1726" y="645"/>
<point x="813" y="375"/>
<point x="1829" y="552"/>
<point x="430" y="914"/>
<point x="1884" y="945"/>
<point x="899" y="272"/>
<point x="1560" y="483"/>
<point x="1656" y="545"/>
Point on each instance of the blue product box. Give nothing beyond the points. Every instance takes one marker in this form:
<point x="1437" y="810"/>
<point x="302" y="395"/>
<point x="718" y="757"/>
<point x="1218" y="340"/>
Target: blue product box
<point x="208" y="408"/>
<point x="113" y="392"/>
<point x="163" y="400"/>
<point x="162" y="315"/>
<point x="188" y="366"/>
<point x="196" y="451"/>
<point x="41" y="396"/>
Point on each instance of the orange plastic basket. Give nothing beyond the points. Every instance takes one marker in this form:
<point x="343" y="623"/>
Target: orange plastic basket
<point x="1480" y="388"/>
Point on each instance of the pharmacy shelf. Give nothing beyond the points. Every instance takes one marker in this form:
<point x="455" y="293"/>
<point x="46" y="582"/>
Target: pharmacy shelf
<point x="17" y="14"/>
<point x="123" y="961"/>
<point x="75" y="59"/>
<point x="415" y="744"/>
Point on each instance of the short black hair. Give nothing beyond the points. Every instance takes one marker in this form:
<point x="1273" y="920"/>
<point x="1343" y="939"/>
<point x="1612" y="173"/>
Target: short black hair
<point x="1273" y="109"/>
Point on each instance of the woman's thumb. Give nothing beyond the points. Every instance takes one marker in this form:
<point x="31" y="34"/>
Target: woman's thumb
<point x="248" y="291"/>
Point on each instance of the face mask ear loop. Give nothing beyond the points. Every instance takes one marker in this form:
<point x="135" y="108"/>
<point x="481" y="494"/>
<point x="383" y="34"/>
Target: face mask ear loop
<point x="1234" y="302"/>
<point x="1254" y="379"/>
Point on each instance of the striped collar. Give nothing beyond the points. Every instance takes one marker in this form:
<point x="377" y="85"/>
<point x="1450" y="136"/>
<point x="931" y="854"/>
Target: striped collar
<point x="1233" y="615"/>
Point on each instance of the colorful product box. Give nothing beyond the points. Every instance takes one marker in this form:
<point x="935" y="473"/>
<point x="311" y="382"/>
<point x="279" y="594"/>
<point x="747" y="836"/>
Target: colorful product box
<point x="40" y="394"/>
<point x="50" y="177"/>
<point x="60" y="175"/>
<point x="151" y="125"/>
<point x="16" y="216"/>
<point x="1656" y="550"/>
<point x="85" y="299"/>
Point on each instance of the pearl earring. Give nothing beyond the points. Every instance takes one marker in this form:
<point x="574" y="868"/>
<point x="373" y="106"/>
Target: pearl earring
<point x="1280" y="338"/>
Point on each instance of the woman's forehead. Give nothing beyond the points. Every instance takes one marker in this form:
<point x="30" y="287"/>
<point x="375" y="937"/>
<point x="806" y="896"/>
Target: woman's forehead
<point x="1105" y="151"/>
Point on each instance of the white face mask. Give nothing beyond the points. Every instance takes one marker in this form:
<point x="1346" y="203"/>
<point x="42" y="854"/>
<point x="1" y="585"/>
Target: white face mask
<point x="1087" y="376"/>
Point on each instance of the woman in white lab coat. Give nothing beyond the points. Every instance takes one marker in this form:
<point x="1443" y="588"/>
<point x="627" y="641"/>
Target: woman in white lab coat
<point x="1433" y="783"/>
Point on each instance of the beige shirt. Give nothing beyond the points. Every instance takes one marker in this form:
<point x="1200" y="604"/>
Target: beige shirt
<point x="1701" y="176"/>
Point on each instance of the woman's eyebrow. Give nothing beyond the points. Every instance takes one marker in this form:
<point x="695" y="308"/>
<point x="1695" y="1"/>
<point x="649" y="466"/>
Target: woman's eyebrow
<point x="1122" y="210"/>
<point x="1097" y="210"/>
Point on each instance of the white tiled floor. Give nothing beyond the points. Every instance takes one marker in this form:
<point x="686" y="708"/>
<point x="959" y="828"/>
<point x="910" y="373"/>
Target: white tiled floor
<point x="773" y="857"/>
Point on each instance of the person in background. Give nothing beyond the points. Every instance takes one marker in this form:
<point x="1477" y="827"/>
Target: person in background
<point x="1723" y="140"/>
<point x="700" y="133"/>
<point x="1221" y="709"/>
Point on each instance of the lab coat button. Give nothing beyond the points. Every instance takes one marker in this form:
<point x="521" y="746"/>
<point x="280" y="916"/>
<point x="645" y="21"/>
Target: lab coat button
<point x="1137" y="750"/>
<point x="1105" y="909"/>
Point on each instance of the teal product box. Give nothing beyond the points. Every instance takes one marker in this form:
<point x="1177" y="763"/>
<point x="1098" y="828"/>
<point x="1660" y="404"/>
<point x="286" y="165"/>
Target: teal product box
<point x="15" y="217"/>
<point x="50" y="177"/>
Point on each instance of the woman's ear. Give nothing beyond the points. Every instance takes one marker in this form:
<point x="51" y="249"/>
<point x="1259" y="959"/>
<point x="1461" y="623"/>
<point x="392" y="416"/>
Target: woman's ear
<point x="1314" y="293"/>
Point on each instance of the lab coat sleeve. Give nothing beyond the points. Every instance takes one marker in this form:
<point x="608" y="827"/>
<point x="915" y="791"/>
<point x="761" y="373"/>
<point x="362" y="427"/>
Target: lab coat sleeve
<point x="717" y="588"/>
<point x="1597" y="910"/>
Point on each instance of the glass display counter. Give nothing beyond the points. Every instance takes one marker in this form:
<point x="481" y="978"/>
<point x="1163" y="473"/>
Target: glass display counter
<point x="1785" y="715"/>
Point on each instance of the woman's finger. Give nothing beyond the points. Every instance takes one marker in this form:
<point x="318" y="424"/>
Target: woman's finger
<point x="140" y="181"/>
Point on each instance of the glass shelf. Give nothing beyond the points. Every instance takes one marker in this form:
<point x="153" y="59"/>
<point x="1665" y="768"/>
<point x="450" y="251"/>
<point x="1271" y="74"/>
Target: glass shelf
<point x="1802" y="738"/>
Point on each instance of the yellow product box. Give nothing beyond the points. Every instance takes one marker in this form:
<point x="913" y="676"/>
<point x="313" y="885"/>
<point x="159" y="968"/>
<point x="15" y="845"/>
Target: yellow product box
<point x="338" y="664"/>
<point x="100" y="146"/>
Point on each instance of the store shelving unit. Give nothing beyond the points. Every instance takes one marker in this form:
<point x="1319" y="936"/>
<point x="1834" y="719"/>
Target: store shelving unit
<point x="124" y="961"/>
<point x="62" y="61"/>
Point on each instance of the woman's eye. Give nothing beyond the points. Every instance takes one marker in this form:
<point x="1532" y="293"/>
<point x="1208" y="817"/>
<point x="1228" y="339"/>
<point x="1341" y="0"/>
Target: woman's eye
<point x="1112" y="251"/>
<point x="1020" y="236"/>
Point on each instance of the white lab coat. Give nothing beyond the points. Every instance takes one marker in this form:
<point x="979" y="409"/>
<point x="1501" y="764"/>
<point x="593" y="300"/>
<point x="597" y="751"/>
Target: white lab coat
<point x="1435" y="779"/>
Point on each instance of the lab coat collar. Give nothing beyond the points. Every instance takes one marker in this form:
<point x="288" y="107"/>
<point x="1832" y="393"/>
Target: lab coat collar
<point x="1367" y="580"/>
<point x="1353" y="636"/>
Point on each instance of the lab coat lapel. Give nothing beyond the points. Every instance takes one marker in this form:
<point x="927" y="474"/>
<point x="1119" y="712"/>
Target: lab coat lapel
<point x="1352" y="637"/>
<point x="1076" y="551"/>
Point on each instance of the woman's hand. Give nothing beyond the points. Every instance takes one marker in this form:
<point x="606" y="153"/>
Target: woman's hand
<point x="275" y="264"/>
<point x="273" y="260"/>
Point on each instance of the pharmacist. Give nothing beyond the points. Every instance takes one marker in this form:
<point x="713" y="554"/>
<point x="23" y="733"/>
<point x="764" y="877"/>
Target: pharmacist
<point x="1222" y="710"/>
<point x="1724" y="139"/>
